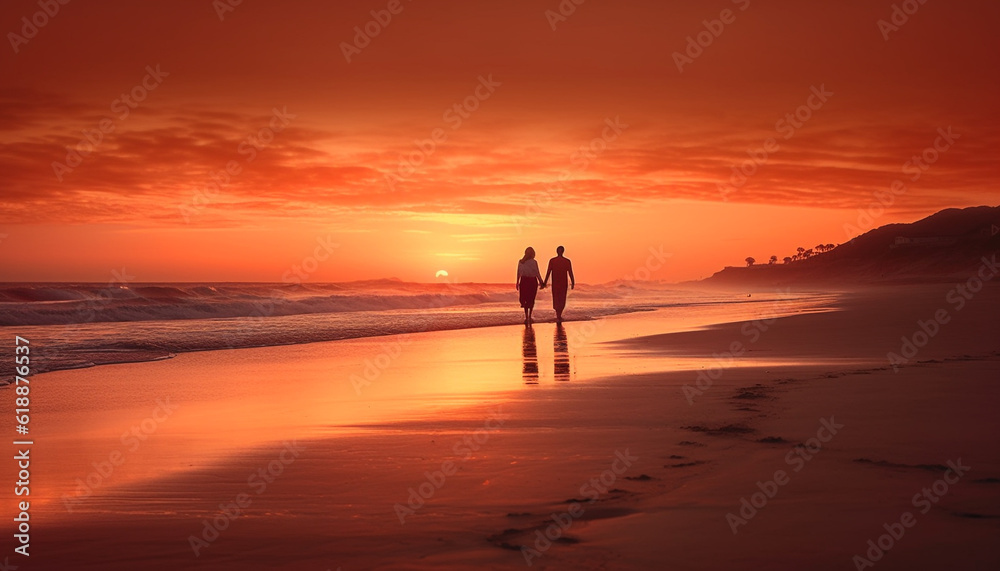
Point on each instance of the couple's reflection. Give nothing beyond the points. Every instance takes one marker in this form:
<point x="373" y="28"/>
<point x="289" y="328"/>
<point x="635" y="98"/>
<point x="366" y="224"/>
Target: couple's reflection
<point x="560" y="349"/>
<point x="530" y="353"/>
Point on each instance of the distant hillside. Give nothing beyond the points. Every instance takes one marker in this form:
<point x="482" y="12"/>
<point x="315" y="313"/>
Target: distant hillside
<point x="942" y="246"/>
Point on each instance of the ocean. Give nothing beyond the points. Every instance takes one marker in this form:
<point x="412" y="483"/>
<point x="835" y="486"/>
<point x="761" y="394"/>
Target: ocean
<point x="83" y="325"/>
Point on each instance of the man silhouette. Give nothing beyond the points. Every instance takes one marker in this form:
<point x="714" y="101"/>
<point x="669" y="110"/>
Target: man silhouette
<point x="559" y="268"/>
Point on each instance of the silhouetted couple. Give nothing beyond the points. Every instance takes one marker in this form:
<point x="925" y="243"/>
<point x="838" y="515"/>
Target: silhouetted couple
<point x="529" y="279"/>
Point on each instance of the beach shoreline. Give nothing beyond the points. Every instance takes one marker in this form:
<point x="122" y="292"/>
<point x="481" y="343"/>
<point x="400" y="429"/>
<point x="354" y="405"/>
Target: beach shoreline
<point x="107" y="331"/>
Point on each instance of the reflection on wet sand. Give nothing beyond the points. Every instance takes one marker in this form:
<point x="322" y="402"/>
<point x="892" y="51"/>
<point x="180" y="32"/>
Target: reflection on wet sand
<point x="529" y="352"/>
<point x="560" y="350"/>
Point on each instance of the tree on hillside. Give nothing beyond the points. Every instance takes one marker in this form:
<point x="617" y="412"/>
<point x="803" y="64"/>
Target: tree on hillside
<point x="788" y="259"/>
<point x="801" y="252"/>
<point x="773" y="260"/>
<point x="750" y="261"/>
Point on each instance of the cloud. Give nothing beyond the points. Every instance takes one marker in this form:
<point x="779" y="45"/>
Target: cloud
<point x="170" y="156"/>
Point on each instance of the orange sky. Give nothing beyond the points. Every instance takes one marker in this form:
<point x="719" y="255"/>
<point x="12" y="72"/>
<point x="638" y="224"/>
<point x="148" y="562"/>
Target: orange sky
<point x="140" y="200"/>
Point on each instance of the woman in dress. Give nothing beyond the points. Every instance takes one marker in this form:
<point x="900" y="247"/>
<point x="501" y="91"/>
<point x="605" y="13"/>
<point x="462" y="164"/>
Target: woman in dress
<point x="528" y="279"/>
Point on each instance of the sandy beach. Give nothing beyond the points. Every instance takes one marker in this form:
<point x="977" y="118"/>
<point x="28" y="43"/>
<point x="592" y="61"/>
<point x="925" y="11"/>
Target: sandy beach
<point x="273" y="458"/>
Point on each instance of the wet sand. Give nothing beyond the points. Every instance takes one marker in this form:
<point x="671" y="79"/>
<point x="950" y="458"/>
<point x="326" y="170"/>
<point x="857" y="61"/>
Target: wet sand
<point x="603" y="447"/>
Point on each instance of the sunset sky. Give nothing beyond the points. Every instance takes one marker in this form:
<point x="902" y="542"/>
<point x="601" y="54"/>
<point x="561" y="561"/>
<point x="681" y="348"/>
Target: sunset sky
<point x="529" y="96"/>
